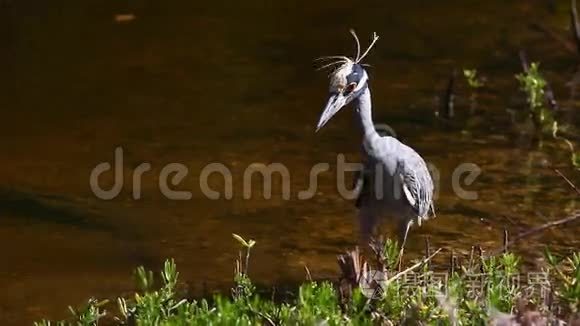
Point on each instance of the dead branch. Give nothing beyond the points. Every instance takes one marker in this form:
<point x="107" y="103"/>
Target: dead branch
<point x="574" y="26"/>
<point x="352" y="266"/>
<point x="410" y="269"/>
<point x="568" y="46"/>
<point x="574" y="216"/>
<point x="524" y="61"/>
<point x="572" y="185"/>
<point x="308" y="275"/>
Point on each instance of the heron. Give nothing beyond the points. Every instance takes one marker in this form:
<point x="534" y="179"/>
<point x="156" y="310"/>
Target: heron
<point x="395" y="180"/>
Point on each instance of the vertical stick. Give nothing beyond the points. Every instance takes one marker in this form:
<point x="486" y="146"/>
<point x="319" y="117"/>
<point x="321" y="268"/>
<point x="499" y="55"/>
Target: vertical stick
<point x="471" y="258"/>
<point x="428" y="250"/>
<point x="449" y="97"/>
<point x="524" y="61"/>
<point x="505" y="241"/>
<point x="480" y="252"/>
<point x="452" y="262"/>
<point x="574" y="26"/>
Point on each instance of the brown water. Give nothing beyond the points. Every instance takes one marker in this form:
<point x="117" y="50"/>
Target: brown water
<point x="235" y="83"/>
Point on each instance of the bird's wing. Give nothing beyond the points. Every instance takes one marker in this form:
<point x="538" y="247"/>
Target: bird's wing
<point x="417" y="185"/>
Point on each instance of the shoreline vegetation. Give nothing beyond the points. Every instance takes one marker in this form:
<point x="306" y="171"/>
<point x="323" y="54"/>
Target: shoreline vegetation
<point x="477" y="290"/>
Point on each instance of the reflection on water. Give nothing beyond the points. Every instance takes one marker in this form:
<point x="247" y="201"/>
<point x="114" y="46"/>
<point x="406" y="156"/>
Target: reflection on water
<point x="234" y="83"/>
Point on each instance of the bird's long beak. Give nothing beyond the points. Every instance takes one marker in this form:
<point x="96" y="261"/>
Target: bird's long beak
<point x="334" y="104"/>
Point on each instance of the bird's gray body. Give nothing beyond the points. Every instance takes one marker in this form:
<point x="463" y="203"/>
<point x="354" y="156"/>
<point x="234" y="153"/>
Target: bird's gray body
<point x="395" y="181"/>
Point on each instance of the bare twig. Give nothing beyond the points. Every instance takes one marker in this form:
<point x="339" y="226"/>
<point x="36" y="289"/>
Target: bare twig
<point x="509" y="219"/>
<point x="352" y="266"/>
<point x="505" y="240"/>
<point x="572" y="185"/>
<point x="574" y="216"/>
<point x="410" y="269"/>
<point x="524" y="61"/>
<point x="471" y="257"/>
<point x="568" y="46"/>
<point x="540" y="228"/>
<point x="574" y="26"/>
<point x="273" y="296"/>
<point x="353" y="269"/>
<point x="452" y="261"/>
<point x="402" y="273"/>
<point x="427" y="247"/>
<point x="308" y="275"/>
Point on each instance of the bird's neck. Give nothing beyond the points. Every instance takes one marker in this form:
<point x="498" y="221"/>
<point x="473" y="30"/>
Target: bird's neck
<point x="364" y="116"/>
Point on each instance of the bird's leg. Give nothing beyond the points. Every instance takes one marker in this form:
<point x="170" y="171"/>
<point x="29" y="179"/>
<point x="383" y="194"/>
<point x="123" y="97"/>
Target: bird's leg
<point x="404" y="227"/>
<point x="367" y="220"/>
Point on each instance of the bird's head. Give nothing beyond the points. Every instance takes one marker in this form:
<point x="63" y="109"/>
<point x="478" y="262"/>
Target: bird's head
<point x="347" y="82"/>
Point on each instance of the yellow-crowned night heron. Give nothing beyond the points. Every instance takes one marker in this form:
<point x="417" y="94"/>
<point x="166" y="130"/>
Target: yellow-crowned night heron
<point x="395" y="180"/>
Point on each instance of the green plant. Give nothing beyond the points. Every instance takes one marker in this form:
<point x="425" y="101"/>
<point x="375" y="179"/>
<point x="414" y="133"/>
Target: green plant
<point x="144" y="278"/>
<point x="89" y="315"/>
<point x="244" y="287"/>
<point x="318" y="303"/>
<point x="472" y="79"/>
<point x="152" y="306"/>
<point x="475" y="83"/>
<point x="501" y="286"/>
<point x="389" y="255"/>
<point x="567" y="272"/>
<point x="533" y="84"/>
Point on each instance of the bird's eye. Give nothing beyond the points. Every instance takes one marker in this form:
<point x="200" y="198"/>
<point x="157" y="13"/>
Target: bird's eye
<point x="349" y="88"/>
